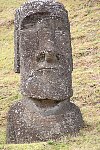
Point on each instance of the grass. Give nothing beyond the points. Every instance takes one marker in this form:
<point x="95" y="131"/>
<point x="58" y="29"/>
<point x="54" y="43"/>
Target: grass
<point x="84" y="19"/>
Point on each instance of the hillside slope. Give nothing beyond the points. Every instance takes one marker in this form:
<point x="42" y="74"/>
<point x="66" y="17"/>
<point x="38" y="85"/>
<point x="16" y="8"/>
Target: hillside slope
<point x="84" y="20"/>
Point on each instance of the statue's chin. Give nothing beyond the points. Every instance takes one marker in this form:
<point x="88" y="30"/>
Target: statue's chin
<point x="53" y="89"/>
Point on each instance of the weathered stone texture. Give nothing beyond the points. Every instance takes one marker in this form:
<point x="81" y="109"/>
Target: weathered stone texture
<point x="43" y="57"/>
<point x="30" y="122"/>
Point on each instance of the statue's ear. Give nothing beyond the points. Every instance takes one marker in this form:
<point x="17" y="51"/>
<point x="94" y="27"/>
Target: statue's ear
<point x="16" y="45"/>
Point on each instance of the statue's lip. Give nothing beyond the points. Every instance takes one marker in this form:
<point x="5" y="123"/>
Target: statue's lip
<point x="47" y="68"/>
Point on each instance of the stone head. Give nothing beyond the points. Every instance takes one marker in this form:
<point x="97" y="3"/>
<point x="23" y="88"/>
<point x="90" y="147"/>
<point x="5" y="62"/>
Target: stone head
<point x="43" y="54"/>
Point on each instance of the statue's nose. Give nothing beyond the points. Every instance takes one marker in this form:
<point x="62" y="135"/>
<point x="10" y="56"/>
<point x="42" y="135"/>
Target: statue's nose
<point x="47" y="53"/>
<point x="47" y="56"/>
<point x="50" y="56"/>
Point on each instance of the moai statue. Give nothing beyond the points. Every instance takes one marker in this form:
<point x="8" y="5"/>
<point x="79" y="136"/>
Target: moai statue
<point x="43" y="57"/>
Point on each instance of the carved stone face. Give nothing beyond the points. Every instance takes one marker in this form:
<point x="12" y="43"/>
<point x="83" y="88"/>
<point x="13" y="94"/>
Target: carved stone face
<point x="45" y="55"/>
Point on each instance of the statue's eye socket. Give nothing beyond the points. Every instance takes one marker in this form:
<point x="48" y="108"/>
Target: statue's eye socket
<point x="60" y="28"/>
<point x="58" y="56"/>
<point x="40" y="57"/>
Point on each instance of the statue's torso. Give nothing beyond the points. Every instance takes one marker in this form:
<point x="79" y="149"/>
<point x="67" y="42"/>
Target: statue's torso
<point x="31" y="123"/>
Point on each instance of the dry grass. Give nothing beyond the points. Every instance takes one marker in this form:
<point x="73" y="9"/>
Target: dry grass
<point x="84" y="20"/>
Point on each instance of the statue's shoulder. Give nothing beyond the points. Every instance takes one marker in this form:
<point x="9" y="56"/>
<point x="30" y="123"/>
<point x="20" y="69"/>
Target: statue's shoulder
<point x="16" y="108"/>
